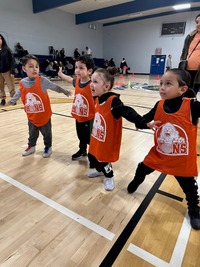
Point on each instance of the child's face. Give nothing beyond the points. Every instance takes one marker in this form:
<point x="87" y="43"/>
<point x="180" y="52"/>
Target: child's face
<point x="82" y="72"/>
<point x="98" y="85"/>
<point x="169" y="86"/>
<point x="31" y="68"/>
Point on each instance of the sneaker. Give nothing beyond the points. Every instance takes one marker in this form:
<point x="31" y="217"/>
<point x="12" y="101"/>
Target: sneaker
<point x="29" y="150"/>
<point x="47" y="152"/>
<point x="3" y="102"/>
<point x="109" y="183"/>
<point x="94" y="173"/>
<point x="79" y="155"/>
<point x="194" y="214"/>
<point x="132" y="187"/>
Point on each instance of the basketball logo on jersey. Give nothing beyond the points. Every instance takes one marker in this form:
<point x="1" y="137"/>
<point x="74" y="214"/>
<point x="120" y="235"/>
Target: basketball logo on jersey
<point x="99" y="127"/>
<point x="172" y="140"/>
<point x="33" y="103"/>
<point x="80" y="106"/>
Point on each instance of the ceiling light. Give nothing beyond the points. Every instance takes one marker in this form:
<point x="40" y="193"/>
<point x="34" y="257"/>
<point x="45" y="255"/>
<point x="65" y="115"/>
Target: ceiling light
<point x="135" y="15"/>
<point x="182" y="6"/>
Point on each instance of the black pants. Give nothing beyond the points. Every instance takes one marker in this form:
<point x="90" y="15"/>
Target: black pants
<point x="188" y="184"/>
<point x="83" y="130"/>
<point x="105" y="167"/>
<point x="194" y="86"/>
<point x="45" y="130"/>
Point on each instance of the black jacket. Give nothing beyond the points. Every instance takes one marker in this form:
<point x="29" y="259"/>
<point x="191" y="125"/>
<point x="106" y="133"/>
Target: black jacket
<point x="6" y="60"/>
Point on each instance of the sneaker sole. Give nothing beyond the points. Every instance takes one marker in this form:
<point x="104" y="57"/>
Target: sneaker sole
<point x="93" y="176"/>
<point x="28" y="154"/>
<point x="79" y="157"/>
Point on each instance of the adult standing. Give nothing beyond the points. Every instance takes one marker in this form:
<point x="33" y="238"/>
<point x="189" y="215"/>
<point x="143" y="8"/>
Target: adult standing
<point x="76" y="54"/>
<point x="88" y="51"/>
<point x="169" y="63"/>
<point x="123" y="66"/>
<point x="6" y="70"/>
<point x="191" y="53"/>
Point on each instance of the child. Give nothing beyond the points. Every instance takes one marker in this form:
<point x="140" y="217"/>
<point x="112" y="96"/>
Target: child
<point x="83" y="104"/>
<point x="33" y="93"/>
<point x="174" y="151"/>
<point x="107" y="128"/>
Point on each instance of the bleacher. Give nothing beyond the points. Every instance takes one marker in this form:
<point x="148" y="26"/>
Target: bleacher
<point x="99" y="62"/>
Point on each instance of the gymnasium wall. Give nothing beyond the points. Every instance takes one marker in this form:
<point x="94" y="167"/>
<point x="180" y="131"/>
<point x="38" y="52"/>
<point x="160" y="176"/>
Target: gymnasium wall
<point x="137" y="41"/>
<point x="36" y="32"/>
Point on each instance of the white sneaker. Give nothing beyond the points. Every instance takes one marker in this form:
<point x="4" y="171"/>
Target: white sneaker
<point x="29" y="150"/>
<point x="94" y="173"/>
<point x="47" y="152"/>
<point x="109" y="183"/>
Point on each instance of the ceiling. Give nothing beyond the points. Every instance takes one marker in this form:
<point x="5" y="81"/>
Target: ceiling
<point x="110" y="12"/>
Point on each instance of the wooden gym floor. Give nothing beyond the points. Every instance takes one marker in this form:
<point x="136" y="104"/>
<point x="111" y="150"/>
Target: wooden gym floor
<point x="52" y="214"/>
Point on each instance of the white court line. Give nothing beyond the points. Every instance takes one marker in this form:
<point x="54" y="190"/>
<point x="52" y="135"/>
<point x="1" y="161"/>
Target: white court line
<point x="75" y="216"/>
<point x="179" y="250"/>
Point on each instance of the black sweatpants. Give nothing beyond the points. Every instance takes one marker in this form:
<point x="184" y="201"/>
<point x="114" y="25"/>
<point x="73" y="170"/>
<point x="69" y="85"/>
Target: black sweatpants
<point x="83" y="130"/>
<point x="105" y="167"/>
<point x="188" y="184"/>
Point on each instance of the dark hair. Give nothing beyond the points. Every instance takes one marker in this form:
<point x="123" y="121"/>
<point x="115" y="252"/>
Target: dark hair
<point x="26" y="58"/>
<point x="197" y="17"/>
<point x="183" y="76"/>
<point x="87" y="60"/>
<point x="4" y="43"/>
<point x="107" y="76"/>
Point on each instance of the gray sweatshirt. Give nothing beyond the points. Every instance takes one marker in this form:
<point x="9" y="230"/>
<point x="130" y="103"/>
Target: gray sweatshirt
<point x="45" y="84"/>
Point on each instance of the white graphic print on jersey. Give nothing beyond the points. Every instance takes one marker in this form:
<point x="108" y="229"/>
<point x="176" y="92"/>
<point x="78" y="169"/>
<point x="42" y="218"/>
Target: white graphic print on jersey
<point x="33" y="103"/>
<point x="99" y="127"/>
<point x="80" y="106"/>
<point x="172" y="140"/>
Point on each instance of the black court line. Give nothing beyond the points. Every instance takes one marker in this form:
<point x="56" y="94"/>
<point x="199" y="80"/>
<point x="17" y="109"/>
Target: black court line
<point x="169" y="195"/>
<point x="122" y="239"/>
<point x="63" y="115"/>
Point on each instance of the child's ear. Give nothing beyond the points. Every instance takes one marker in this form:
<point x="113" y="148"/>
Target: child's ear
<point x="90" y="71"/>
<point x="23" y="68"/>
<point x="184" y="89"/>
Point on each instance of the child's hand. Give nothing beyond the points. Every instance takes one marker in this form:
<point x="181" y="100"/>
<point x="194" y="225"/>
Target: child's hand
<point x="11" y="103"/>
<point x="69" y="93"/>
<point x="153" y="125"/>
<point x="60" y="72"/>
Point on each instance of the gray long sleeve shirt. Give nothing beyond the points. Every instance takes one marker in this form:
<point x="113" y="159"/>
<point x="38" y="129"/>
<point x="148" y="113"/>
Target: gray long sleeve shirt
<point x="45" y="84"/>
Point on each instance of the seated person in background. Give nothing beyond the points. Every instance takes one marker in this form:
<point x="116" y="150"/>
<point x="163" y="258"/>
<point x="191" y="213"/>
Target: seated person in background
<point x="50" y="71"/>
<point x="20" y="50"/>
<point x="69" y="68"/>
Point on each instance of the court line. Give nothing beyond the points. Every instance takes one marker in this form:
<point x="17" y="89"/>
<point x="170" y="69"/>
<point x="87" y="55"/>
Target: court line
<point x="178" y="253"/>
<point x="179" y="250"/>
<point x="69" y="213"/>
<point x="128" y="230"/>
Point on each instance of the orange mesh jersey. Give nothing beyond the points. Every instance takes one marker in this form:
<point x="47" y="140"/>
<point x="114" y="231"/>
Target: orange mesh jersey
<point x="106" y="133"/>
<point x="174" y="150"/>
<point x="36" y="103"/>
<point x="83" y="105"/>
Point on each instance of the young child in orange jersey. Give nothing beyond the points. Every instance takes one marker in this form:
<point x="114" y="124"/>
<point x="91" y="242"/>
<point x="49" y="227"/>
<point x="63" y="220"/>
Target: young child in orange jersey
<point x="107" y="127"/>
<point x="83" y="104"/>
<point x="174" y="152"/>
<point x="33" y="93"/>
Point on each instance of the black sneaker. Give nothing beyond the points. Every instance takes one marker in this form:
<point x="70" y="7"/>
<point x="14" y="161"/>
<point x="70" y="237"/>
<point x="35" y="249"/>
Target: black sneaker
<point x="133" y="185"/>
<point x="3" y="102"/>
<point x="79" y="155"/>
<point x="194" y="214"/>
